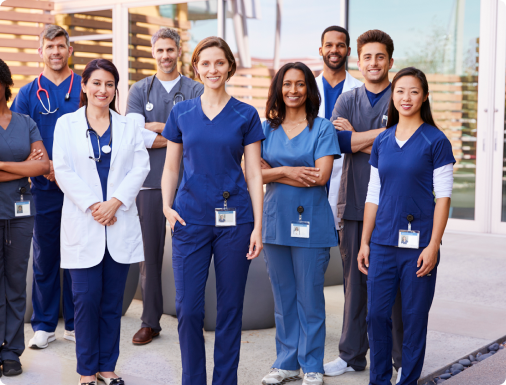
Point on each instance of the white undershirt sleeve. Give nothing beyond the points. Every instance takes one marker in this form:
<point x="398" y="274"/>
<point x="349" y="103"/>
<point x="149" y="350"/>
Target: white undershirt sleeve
<point x="373" y="191"/>
<point x="443" y="181"/>
<point x="148" y="136"/>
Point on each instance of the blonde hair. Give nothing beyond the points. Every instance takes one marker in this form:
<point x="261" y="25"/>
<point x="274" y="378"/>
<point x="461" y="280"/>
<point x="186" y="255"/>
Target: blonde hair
<point x="214" y="41"/>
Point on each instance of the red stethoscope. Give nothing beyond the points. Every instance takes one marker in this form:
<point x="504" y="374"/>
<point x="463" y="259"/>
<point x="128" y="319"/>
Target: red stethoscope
<point x="48" y="109"/>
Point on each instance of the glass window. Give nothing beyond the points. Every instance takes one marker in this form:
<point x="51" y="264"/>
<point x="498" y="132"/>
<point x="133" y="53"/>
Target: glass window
<point x="443" y="41"/>
<point x="194" y="21"/>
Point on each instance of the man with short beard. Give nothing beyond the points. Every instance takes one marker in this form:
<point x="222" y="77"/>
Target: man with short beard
<point x="150" y="102"/>
<point x="54" y="93"/>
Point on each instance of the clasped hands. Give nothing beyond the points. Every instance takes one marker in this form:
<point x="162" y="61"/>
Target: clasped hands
<point x="105" y="212"/>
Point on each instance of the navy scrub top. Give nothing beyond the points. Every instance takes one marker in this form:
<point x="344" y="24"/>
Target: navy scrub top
<point x="212" y="153"/>
<point x="15" y="146"/>
<point x="26" y="102"/>
<point x="281" y="200"/>
<point x="406" y="175"/>
<point x="105" y="159"/>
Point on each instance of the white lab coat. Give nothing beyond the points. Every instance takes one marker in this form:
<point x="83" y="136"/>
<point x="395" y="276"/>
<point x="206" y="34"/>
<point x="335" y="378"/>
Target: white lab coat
<point x="335" y="179"/>
<point x="83" y="240"/>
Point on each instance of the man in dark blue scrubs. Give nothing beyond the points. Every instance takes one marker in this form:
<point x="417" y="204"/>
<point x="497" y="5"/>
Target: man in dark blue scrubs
<point x="54" y="93"/>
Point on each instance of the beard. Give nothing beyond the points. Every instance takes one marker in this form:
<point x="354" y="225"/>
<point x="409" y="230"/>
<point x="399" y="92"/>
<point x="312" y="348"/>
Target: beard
<point x="170" y="70"/>
<point x="332" y="66"/>
<point x="57" y="67"/>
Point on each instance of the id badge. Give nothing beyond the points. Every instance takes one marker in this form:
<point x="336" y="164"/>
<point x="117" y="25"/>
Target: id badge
<point x="22" y="208"/>
<point x="299" y="229"/>
<point x="225" y="217"/>
<point x="384" y="121"/>
<point x="409" y="239"/>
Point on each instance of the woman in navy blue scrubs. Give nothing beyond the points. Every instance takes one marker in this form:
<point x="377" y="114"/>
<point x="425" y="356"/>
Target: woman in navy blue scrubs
<point x="212" y="133"/>
<point x="22" y="155"/>
<point x="298" y="229"/>
<point x="100" y="164"/>
<point x="411" y="162"/>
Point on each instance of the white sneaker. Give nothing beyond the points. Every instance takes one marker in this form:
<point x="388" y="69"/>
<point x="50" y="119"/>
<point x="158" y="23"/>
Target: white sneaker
<point x="278" y="376"/>
<point x="313" y="379"/>
<point x="398" y="376"/>
<point x="337" y="367"/>
<point x="70" y="335"/>
<point x="41" y="339"/>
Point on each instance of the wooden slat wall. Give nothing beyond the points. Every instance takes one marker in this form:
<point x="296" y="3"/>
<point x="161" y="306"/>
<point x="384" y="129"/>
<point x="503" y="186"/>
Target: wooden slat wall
<point x="251" y="85"/>
<point x="21" y="22"/>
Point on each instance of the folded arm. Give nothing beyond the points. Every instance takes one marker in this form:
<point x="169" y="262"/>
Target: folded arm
<point x="299" y="176"/>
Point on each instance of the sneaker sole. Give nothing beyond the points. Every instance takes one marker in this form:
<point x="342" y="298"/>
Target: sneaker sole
<point x="69" y="338"/>
<point x="288" y="379"/>
<point x="12" y="373"/>
<point x="339" y="372"/>
<point x="50" y="339"/>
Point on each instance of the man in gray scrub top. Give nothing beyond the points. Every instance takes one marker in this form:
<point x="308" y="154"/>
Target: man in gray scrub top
<point x="363" y="111"/>
<point x="149" y="103"/>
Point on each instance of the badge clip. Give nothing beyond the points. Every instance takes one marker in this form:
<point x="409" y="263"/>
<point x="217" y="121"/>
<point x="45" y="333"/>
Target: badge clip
<point x="300" y="228"/>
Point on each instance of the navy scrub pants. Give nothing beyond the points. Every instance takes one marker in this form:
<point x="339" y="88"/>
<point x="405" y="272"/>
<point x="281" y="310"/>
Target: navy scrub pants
<point x="297" y="275"/>
<point x="15" y="235"/>
<point x="192" y="249"/>
<point x="389" y="268"/>
<point x="46" y="264"/>
<point x="98" y="298"/>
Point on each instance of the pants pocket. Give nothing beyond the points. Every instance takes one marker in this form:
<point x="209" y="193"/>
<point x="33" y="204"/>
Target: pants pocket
<point x="321" y="267"/>
<point x="178" y="267"/>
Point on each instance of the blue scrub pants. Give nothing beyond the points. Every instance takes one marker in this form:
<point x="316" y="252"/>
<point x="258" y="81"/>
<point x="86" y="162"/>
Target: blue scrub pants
<point x="192" y="249"/>
<point x="46" y="290"/>
<point x="98" y="298"/>
<point x="297" y="277"/>
<point x="15" y="237"/>
<point x="389" y="268"/>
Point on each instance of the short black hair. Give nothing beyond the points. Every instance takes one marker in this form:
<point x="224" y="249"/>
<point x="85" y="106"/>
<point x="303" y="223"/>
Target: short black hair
<point x="336" y="28"/>
<point x="6" y="79"/>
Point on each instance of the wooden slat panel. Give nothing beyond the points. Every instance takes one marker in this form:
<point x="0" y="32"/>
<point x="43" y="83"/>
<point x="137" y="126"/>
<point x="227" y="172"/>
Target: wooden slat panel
<point x="19" y="43"/>
<point x="134" y="40"/>
<point x="24" y="70"/>
<point x="24" y="16"/>
<point x="143" y="30"/>
<point x="454" y="97"/>
<point x="85" y="33"/>
<point x="139" y="53"/>
<point x="92" y="48"/>
<point x="243" y="81"/>
<point x="33" y="4"/>
<point x="80" y="60"/>
<point x="20" y="56"/>
<point x="447" y="115"/>
<point x="20" y="30"/>
<point x="142" y="65"/>
<point x="260" y="103"/>
<point x="162" y="21"/>
<point x="20" y="83"/>
<point x="137" y="77"/>
<point x="260" y="71"/>
<point x="241" y="91"/>
<point x="87" y="23"/>
<point x="104" y="13"/>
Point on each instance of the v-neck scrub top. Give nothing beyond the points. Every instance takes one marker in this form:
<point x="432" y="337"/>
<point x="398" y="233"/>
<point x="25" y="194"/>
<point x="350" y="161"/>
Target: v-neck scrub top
<point x="212" y="153"/>
<point x="26" y="102"/>
<point x="281" y="200"/>
<point x="15" y="146"/>
<point x="104" y="165"/>
<point x="406" y="176"/>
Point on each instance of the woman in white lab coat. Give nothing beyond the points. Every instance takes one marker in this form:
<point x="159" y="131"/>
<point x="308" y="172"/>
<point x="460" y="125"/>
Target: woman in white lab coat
<point x="100" y="164"/>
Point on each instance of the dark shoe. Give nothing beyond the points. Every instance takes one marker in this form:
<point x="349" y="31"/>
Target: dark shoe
<point x="12" y="368"/>
<point x="144" y="336"/>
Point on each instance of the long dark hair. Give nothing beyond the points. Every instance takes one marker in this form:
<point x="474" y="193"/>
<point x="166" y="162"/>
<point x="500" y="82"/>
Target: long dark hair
<point x="425" y="112"/>
<point x="275" y="110"/>
<point x="100" y="64"/>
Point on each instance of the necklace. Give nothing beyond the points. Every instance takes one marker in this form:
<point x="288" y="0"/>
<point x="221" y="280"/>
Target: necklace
<point x="297" y="125"/>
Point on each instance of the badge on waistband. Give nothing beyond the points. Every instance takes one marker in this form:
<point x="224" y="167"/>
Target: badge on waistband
<point x="21" y="207"/>
<point x="300" y="228"/>
<point x="225" y="216"/>
<point x="409" y="239"/>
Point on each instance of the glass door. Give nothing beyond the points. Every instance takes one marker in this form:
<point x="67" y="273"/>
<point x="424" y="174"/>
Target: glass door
<point x="498" y="216"/>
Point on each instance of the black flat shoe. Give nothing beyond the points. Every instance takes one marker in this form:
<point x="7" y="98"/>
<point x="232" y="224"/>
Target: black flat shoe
<point x="12" y="368"/>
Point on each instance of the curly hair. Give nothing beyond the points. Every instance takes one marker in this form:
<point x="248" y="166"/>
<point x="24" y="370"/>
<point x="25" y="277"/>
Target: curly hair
<point x="6" y="79"/>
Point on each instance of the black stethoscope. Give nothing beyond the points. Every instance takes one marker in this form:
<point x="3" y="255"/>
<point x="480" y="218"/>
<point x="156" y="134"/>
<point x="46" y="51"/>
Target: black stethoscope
<point x="178" y="96"/>
<point x="41" y="89"/>
<point x="106" y="149"/>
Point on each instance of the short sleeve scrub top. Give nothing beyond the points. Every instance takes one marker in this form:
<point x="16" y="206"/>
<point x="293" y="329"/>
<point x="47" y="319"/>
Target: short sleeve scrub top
<point x="212" y="153"/>
<point x="281" y="200"/>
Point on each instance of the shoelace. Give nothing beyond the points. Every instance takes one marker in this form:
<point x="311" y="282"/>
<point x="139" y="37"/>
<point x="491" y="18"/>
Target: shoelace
<point x="311" y="376"/>
<point x="274" y="370"/>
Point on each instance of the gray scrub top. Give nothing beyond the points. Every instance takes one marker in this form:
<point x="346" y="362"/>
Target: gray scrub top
<point x="162" y="106"/>
<point x="15" y="146"/>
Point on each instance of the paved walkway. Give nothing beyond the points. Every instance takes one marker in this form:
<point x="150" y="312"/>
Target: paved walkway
<point x="468" y="312"/>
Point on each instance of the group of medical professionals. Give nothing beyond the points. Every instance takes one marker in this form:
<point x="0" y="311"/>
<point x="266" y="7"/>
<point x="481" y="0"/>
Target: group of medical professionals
<point x="359" y="165"/>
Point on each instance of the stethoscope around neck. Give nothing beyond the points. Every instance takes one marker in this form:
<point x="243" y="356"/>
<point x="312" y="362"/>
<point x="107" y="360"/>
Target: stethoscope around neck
<point x="178" y="96"/>
<point x="106" y="149"/>
<point x="41" y="89"/>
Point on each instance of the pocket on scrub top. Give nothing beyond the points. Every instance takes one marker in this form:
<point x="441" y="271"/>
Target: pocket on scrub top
<point x="193" y="197"/>
<point x="269" y="221"/>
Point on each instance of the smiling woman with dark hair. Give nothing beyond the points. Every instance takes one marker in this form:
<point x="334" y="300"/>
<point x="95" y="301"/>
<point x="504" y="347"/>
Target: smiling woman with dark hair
<point x="298" y="226"/>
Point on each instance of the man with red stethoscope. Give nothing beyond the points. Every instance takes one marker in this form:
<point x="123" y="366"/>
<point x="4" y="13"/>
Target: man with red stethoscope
<point x="54" y="93"/>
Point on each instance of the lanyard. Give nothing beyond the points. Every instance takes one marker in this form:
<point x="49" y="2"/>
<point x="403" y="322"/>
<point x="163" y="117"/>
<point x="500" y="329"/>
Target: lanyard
<point x="41" y="89"/>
